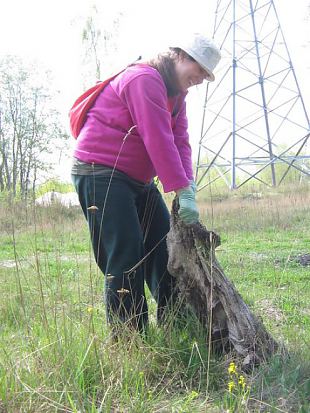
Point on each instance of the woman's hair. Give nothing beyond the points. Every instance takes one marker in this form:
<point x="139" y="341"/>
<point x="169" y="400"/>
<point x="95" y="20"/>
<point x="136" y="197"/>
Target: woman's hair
<point x="165" y="64"/>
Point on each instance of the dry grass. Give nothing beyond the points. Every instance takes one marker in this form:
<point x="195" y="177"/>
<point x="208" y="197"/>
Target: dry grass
<point x="273" y="209"/>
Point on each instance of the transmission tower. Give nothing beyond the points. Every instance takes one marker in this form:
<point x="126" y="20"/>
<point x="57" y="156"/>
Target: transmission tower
<point x="254" y="116"/>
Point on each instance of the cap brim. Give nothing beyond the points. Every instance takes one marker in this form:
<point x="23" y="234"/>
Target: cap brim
<point x="211" y="77"/>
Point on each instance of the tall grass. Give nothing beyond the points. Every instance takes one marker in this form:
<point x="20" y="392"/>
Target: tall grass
<point x="57" y="353"/>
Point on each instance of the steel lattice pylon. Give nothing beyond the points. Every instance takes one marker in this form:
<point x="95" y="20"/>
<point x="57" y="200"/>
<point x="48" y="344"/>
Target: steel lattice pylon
<point x="254" y="116"/>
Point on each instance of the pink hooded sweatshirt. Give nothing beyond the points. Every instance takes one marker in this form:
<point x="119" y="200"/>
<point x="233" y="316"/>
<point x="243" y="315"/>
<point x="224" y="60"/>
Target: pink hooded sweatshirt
<point x="138" y="97"/>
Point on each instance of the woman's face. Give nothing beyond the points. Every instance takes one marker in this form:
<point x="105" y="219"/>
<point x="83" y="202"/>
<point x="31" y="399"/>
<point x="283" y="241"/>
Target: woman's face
<point x="189" y="72"/>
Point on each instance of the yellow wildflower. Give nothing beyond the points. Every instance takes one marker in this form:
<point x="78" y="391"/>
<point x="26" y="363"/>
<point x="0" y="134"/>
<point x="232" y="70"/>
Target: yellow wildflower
<point x="232" y="368"/>
<point x="90" y="309"/>
<point x="241" y="381"/>
<point x="231" y="386"/>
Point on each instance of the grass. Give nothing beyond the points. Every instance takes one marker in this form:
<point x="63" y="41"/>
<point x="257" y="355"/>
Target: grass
<point x="56" y="353"/>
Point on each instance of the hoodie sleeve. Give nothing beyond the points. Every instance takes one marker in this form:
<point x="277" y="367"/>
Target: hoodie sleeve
<point x="146" y="98"/>
<point x="181" y="140"/>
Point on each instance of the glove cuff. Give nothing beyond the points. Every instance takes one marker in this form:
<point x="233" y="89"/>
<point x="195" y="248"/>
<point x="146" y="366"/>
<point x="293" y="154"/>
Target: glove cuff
<point x="193" y="185"/>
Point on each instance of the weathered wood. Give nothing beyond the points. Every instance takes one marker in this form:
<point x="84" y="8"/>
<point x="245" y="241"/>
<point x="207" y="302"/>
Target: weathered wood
<point x="202" y="281"/>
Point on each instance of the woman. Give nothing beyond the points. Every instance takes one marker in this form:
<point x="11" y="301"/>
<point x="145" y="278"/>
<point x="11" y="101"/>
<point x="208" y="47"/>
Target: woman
<point x="136" y="130"/>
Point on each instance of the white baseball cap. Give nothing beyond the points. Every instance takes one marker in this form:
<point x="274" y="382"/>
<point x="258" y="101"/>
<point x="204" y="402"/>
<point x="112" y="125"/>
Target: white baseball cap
<point x="203" y="50"/>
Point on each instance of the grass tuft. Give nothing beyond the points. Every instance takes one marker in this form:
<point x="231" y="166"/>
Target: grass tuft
<point x="57" y="353"/>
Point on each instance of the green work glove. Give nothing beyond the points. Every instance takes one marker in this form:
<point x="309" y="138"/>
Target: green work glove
<point x="188" y="211"/>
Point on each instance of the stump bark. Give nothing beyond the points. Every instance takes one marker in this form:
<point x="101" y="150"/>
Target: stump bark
<point x="216" y="302"/>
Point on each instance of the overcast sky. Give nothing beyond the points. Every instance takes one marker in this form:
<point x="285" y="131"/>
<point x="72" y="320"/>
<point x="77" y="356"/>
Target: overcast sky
<point x="50" y="31"/>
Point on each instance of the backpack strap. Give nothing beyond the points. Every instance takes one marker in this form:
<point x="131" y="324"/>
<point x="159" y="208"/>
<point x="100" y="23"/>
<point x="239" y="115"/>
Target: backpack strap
<point x="80" y="108"/>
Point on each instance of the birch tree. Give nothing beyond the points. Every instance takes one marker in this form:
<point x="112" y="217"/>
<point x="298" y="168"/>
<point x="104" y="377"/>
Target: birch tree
<point x="100" y="37"/>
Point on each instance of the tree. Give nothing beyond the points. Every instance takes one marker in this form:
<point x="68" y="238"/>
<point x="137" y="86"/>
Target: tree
<point x="100" y="43"/>
<point x="29" y="126"/>
<point x="91" y="38"/>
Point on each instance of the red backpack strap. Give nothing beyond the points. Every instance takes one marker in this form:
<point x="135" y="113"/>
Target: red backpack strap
<point x="78" y="112"/>
<point x="80" y="108"/>
<point x="170" y="105"/>
<point x="174" y="105"/>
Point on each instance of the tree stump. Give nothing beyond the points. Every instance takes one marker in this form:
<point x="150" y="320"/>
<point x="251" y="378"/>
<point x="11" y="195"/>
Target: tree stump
<point x="214" y="299"/>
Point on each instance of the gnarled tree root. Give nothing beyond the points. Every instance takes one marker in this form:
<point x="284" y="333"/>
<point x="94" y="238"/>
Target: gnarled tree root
<point x="214" y="299"/>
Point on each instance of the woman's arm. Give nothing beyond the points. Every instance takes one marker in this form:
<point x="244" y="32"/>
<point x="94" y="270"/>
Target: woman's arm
<point x="181" y="140"/>
<point x="146" y="98"/>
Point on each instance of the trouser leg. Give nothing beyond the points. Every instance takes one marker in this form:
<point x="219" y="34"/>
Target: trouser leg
<point x="118" y="245"/>
<point x="155" y="221"/>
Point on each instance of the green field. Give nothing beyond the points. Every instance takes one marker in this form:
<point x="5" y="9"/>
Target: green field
<point x="56" y="354"/>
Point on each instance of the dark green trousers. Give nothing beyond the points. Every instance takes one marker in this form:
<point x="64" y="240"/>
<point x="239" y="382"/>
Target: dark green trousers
<point x="128" y="236"/>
